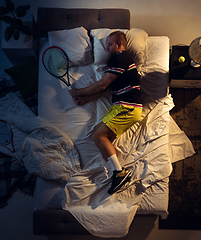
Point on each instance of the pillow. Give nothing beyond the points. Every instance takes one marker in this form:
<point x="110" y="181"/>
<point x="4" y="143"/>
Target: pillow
<point x="75" y="42"/>
<point x="136" y="39"/>
<point x="136" y="44"/>
<point x="25" y="76"/>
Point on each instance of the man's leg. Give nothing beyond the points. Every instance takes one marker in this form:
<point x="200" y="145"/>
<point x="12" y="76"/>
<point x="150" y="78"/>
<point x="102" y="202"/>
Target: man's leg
<point x="103" y="138"/>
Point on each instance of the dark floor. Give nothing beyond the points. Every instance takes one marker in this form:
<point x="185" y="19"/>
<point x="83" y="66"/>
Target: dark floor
<point x="185" y="180"/>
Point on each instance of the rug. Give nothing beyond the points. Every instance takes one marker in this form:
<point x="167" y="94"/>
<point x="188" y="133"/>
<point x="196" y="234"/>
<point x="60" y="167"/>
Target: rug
<point x="185" y="180"/>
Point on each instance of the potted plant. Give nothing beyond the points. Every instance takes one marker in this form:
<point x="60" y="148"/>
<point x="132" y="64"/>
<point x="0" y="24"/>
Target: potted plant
<point x="11" y="15"/>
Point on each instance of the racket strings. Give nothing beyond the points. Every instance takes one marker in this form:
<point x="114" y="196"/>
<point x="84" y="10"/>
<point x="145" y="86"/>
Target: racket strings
<point x="56" y="62"/>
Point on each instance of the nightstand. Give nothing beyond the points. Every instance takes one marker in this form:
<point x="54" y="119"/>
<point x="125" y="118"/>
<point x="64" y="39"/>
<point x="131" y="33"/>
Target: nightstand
<point x="183" y="75"/>
<point x="19" y="50"/>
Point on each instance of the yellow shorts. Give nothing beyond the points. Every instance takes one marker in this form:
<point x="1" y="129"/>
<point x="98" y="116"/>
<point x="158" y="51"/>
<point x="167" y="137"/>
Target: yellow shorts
<point x="120" y="118"/>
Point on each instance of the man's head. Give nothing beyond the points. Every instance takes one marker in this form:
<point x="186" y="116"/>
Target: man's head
<point x="116" y="42"/>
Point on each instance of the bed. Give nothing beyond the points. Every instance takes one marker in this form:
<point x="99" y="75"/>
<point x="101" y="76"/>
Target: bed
<point x="76" y="200"/>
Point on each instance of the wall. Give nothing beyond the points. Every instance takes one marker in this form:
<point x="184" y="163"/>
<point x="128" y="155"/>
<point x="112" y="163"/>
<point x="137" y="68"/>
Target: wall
<point x="179" y="20"/>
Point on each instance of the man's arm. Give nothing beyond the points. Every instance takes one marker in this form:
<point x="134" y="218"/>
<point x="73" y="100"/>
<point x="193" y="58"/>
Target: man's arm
<point x="81" y="100"/>
<point x="94" y="88"/>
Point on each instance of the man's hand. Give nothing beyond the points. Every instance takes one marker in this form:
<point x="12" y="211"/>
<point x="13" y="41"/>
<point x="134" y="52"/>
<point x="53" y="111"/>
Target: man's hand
<point x="78" y="100"/>
<point x="82" y="99"/>
<point x="74" y="92"/>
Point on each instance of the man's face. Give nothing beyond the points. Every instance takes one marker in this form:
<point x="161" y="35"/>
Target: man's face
<point x="112" y="46"/>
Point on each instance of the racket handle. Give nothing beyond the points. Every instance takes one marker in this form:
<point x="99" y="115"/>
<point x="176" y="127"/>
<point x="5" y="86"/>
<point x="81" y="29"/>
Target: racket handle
<point x="64" y="81"/>
<point x="18" y="158"/>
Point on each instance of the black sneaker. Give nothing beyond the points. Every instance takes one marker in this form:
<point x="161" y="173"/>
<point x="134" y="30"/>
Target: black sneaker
<point x="119" y="178"/>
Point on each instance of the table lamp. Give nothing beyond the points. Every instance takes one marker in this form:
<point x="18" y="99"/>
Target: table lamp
<point x="195" y="52"/>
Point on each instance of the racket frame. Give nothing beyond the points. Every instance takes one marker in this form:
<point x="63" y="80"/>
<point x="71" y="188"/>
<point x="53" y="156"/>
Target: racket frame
<point x="12" y="144"/>
<point x="62" y="76"/>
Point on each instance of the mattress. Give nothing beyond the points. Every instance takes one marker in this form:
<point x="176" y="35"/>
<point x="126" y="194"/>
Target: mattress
<point x="52" y="108"/>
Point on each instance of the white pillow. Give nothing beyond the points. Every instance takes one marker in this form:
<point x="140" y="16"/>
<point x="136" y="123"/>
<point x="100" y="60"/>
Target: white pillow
<point x="136" y="44"/>
<point x="136" y="39"/>
<point x="75" y="42"/>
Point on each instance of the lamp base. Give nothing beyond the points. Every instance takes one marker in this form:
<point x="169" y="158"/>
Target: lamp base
<point x="195" y="65"/>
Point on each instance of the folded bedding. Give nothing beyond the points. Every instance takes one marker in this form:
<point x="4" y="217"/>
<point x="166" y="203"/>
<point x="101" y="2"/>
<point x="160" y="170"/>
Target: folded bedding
<point x="15" y="176"/>
<point x="45" y="150"/>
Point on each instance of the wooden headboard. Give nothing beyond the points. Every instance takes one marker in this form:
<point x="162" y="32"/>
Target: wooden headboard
<point x="51" y="19"/>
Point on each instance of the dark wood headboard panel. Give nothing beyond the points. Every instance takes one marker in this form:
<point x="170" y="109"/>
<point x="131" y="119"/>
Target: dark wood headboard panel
<point x="51" y="19"/>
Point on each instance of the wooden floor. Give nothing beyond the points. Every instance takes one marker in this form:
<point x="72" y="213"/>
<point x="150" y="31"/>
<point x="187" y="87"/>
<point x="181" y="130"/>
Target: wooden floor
<point x="185" y="180"/>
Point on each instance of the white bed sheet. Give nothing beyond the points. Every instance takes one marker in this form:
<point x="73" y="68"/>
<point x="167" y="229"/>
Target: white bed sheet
<point x="57" y="107"/>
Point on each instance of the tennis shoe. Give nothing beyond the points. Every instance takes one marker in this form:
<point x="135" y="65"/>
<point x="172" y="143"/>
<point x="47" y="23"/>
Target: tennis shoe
<point x="119" y="178"/>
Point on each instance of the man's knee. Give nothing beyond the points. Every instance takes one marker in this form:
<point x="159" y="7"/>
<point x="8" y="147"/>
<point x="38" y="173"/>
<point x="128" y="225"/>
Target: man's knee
<point x="103" y="132"/>
<point x="96" y="136"/>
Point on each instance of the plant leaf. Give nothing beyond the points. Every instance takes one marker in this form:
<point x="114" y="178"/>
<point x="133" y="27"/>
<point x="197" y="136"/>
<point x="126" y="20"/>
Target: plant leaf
<point x="15" y="23"/>
<point x="7" y="19"/>
<point x="16" y="34"/>
<point x="10" y="5"/>
<point x="25" y="29"/>
<point x="3" y="10"/>
<point x="21" y="14"/>
<point x="22" y="9"/>
<point x="9" y="32"/>
<point x="19" y="21"/>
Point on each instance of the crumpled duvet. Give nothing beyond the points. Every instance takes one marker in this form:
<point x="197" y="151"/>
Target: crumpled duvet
<point x="49" y="153"/>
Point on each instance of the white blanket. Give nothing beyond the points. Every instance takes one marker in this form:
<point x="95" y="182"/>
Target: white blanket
<point x="145" y="150"/>
<point x="49" y="153"/>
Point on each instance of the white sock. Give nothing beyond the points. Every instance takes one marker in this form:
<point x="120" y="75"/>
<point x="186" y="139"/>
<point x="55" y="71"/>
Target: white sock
<point x="114" y="163"/>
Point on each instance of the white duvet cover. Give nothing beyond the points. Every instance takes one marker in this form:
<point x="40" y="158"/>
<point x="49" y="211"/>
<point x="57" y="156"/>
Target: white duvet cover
<point x="147" y="148"/>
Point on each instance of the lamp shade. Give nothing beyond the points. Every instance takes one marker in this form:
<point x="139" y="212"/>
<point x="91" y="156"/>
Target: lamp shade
<point x="195" y="50"/>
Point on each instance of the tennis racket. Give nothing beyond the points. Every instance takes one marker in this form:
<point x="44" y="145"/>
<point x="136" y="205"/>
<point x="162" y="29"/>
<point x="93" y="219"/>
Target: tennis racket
<point x="56" y="62"/>
<point x="6" y="139"/>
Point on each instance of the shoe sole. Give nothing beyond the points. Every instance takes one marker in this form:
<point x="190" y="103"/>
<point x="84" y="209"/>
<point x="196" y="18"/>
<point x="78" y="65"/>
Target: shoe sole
<point x="124" y="180"/>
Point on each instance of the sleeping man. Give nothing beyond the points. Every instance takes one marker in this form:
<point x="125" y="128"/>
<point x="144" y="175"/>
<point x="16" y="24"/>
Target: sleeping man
<point x="124" y="81"/>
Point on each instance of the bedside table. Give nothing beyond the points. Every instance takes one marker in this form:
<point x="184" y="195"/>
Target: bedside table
<point x="183" y="75"/>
